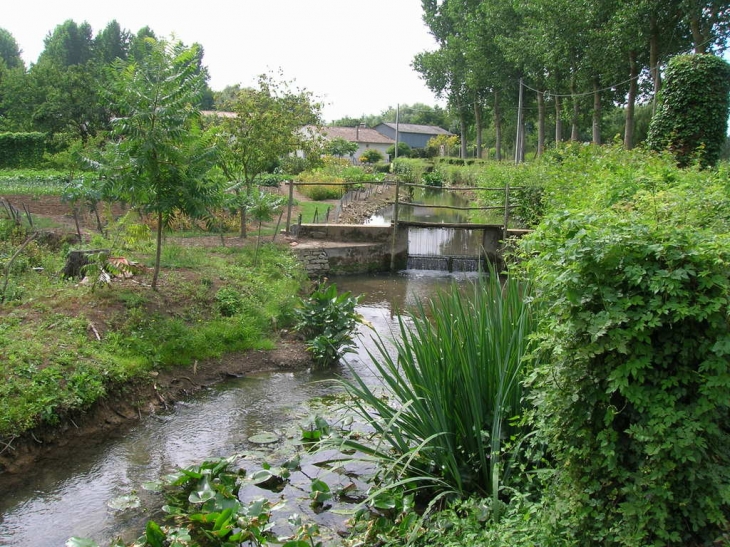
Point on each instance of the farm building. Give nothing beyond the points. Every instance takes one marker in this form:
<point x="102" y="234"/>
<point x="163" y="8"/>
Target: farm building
<point x="415" y="136"/>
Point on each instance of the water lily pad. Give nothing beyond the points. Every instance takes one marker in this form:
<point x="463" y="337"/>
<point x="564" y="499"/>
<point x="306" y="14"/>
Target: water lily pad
<point x="81" y="542"/>
<point x="265" y="437"/>
<point x="153" y="486"/>
<point x="123" y="503"/>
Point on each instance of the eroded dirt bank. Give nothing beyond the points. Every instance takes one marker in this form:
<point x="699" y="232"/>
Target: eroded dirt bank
<point x="128" y="403"/>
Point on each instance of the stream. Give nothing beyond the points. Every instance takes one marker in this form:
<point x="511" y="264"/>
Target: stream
<point x="77" y="492"/>
<point x="74" y="493"/>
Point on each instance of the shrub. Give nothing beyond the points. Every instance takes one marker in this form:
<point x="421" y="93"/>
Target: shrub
<point x="318" y="192"/>
<point x="633" y="399"/>
<point x="371" y="155"/>
<point x="409" y="170"/>
<point x="691" y="121"/>
<point x="404" y="151"/>
<point x="21" y="149"/>
<point x="327" y="320"/>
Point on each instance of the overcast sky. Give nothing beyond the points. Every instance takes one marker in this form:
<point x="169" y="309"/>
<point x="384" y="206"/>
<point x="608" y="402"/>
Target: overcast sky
<point x="354" y="55"/>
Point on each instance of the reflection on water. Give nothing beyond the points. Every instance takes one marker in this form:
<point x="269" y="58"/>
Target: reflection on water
<point x="69" y="494"/>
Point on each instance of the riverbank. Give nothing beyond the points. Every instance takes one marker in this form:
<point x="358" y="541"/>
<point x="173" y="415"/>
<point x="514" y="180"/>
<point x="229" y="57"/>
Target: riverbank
<point x="83" y="358"/>
<point x="129" y="402"/>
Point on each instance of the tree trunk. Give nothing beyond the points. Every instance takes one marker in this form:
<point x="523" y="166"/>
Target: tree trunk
<point x="574" y="134"/>
<point x="558" y="120"/>
<point x="631" y="103"/>
<point x="158" y="254"/>
<point x="700" y="42"/>
<point x="497" y="128"/>
<point x="596" y="112"/>
<point x="462" y="130"/>
<point x="540" y="122"/>
<point x="242" y="216"/>
<point x="478" y="123"/>
<point x="654" y="61"/>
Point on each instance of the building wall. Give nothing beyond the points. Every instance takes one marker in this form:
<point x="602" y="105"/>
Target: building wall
<point x="414" y="140"/>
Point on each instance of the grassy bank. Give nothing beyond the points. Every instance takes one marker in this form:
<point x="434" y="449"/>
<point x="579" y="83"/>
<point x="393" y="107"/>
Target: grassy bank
<point x="65" y="344"/>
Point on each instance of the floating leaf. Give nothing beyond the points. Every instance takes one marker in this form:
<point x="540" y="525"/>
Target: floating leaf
<point x="81" y="542"/>
<point x="265" y="437"/>
<point x="153" y="486"/>
<point x="124" y="503"/>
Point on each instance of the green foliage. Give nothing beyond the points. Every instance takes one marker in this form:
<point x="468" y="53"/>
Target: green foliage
<point x="203" y="509"/>
<point x="22" y="150"/>
<point x="409" y="170"/>
<point x="632" y="400"/>
<point x="404" y="151"/>
<point x="35" y="182"/>
<point x="443" y="145"/>
<point x="142" y="331"/>
<point x="372" y="155"/>
<point x="340" y="147"/>
<point x="267" y="126"/>
<point x="691" y="121"/>
<point x="327" y="320"/>
<point x="158" y="158"/>
<point x="319" y="192"/>
<point x="433" y="178"/>
<point x="452" y="390"/>
<point x="574" y="177"/>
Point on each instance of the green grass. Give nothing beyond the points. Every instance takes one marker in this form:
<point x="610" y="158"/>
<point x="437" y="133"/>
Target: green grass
<point x="51" y="361"/>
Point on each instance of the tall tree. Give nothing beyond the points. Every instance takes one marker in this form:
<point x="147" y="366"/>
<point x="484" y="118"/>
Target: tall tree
<point x="158" y="157"/>
<point x="9" y="50"/>
<point x="112" y="43"/>
<point x="68" y="44"/>
<point x="267" y="125"/>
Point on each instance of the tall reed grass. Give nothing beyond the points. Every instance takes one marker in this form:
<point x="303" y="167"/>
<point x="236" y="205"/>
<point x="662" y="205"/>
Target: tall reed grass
<point x="451" y="391"/>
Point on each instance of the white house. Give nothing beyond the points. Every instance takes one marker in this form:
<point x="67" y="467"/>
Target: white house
<point x="365" y="138"/>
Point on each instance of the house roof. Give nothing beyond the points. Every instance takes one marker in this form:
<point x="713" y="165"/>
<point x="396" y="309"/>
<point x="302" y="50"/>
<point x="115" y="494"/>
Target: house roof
<point x="357" y="134"/>
<point x="420" y="129"/>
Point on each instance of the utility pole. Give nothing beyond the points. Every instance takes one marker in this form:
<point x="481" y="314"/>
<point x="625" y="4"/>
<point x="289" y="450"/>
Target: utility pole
<point x="397" y="116"/>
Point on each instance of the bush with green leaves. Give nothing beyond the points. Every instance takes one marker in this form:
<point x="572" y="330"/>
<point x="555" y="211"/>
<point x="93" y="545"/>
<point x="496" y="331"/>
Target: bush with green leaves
<point x="452" y="390"/>
<point x="632" y="400"/>
<point x="339" y="147"/>
<point x="22" y="149"/>
<point x="372" y="155"/>
<point x="327" y="320"/>
<point x="409" y="170"/>
<point x="404" y="151"/>
<point x="691" y="121"/>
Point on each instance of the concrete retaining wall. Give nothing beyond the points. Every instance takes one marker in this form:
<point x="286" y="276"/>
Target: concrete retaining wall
<point x="340" y="249"/>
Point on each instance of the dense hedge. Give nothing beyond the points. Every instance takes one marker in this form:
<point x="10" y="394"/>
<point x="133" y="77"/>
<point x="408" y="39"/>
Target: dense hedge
<point x="18" y="150"/>
<point x="691" y="121"/>
<point x="631" y="401"/>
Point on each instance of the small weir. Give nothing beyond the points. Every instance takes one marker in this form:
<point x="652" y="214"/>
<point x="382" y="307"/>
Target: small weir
<point x="445" y="249"/>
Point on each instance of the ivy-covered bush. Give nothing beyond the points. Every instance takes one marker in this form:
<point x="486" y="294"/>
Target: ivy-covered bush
<point x="632" y="401"/>
<point x="691" y="121"/>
